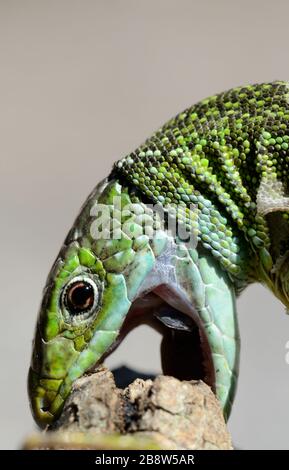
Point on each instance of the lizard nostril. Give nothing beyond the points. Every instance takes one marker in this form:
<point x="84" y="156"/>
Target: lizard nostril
<point x="45" y="404"/>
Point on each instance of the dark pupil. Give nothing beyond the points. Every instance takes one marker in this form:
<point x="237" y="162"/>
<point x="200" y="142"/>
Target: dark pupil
<point x="80" y="297"/>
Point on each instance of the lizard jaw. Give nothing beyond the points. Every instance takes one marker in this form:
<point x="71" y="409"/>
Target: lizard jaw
<point x="39" y="403"/>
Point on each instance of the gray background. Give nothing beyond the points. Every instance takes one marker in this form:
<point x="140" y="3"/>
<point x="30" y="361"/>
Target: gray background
<point x="82" y="83"/>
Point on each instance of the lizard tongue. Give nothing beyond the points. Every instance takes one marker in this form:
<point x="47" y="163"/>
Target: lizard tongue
<point x="174" y="320"/>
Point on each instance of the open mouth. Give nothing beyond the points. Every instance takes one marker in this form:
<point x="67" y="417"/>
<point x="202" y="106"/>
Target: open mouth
<point x="185" y="351"/>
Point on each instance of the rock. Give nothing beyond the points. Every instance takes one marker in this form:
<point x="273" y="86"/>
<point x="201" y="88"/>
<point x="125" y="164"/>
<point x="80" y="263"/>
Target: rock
<point x="163" y="413"/>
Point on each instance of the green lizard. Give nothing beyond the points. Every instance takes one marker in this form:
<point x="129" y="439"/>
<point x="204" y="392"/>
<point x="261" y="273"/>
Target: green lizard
<point x="220" y="170"/>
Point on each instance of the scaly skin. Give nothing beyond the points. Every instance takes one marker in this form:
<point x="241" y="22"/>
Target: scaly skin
<point x="228" y="156"/>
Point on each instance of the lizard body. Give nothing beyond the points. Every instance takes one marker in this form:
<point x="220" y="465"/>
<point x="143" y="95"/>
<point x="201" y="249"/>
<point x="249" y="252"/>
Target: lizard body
<point x="222" y="165"/>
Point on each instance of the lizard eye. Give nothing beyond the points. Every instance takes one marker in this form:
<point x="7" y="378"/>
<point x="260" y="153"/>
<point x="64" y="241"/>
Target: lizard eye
<point x="80" y="297"/>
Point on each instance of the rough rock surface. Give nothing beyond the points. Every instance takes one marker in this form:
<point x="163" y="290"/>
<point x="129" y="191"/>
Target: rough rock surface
<point x="162" y="413"/>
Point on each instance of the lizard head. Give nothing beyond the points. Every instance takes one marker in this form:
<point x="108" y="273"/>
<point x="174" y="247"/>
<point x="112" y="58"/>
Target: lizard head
<point x="81" y="312"/>
<point x="87" y="296"/>
<point x="84" y="303"/>
<point x="100" y="288"/>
